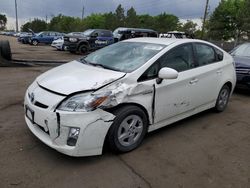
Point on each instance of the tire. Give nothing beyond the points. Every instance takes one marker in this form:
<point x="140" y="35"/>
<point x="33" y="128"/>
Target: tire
<point x="222" y="99"/>
<point x="124" y="135"/>
<point x="5" y="50"/>
<point x="34" y="42"/>
<point x="83" y="49"/>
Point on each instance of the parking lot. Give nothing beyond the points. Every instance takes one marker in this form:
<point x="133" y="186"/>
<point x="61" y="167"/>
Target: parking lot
<point x="37" y="53"/>
<point x="207" y="150"/>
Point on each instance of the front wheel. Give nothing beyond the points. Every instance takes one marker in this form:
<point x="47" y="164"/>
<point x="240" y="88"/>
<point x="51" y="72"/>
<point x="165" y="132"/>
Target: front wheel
<point x="83" y="49"/>
<point x="222" y="99"/>
<point x="34" y="42"/>
<point x="128" y="129"/>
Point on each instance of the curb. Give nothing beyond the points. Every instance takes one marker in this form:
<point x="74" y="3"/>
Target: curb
<point x="35" y="61"/>
<point x="28" y="63"/>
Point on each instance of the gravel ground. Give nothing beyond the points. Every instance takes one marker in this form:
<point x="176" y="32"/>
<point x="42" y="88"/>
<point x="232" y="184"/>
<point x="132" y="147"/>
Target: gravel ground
<point x="208" y="150"/>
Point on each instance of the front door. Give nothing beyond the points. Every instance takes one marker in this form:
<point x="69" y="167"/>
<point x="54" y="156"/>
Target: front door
<point x="177" y="96"/>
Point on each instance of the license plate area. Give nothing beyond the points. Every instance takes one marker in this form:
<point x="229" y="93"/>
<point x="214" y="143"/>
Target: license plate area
<point x="29" y="113"/>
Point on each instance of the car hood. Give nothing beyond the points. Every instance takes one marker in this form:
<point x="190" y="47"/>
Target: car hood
<point x="76" y="76"/>
<point x="242" y="62"/>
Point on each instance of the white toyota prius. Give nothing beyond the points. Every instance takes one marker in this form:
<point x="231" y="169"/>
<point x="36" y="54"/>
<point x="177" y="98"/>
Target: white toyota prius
<point x="119" y="93"/>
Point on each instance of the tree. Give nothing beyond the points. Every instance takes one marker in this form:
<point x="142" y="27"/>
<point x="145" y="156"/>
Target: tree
<point x="36" y="25"/>
<point x="166" y="22"/>
<point x="246" y="17"/>
<point x="189" y="27"/>
<point x="65" y="24"/>
<point x="132" y="19"/>
<point x="95" y="21"/>
<point x="3" y="21"/>
<point x="120" y="17"/>
<point x="146" y="21"/>
<point x="227" y="21"/>
<point x="110" y="21"/>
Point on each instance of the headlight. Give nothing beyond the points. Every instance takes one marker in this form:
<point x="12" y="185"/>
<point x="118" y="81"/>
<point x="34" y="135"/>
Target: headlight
<point x="73" y="39"/>
<point x="83" y="102"/>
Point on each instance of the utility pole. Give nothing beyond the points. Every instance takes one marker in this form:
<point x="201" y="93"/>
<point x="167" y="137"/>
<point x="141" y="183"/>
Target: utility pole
<point x="82" y="12"/>
<point x="82" y="9"/>
<point x="204" y="19"/>
<point x="16" y="17"/>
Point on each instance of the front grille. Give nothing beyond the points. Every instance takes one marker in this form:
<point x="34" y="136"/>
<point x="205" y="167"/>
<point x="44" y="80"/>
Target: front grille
<point x="242" y="71"/>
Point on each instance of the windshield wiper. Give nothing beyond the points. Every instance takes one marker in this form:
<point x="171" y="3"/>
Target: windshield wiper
<point x="97" y="64"/>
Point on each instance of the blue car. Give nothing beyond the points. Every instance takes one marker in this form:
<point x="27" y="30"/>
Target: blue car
<point x="241" y="55"/>
<point x="45" y="37"/>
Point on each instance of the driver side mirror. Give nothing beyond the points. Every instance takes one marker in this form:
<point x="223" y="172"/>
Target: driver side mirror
<point x="94" y="35"/>
<point x="166" y="73"/>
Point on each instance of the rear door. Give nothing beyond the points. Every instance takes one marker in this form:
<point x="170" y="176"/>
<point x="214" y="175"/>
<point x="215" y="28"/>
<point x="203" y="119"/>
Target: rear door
<point x="209" y="73"/>
<point x="52" y="36"/>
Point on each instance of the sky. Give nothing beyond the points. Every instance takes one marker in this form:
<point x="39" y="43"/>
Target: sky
<point x="30" y="9"/>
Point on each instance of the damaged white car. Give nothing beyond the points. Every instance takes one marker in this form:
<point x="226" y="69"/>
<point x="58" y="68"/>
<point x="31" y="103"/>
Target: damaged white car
<point x="119" y="93"/>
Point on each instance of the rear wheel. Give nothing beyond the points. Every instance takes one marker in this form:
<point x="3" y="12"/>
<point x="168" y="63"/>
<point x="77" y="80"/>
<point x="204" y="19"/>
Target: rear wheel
<point x="128" y="129"/>
<point x="34" y="42"/>
<point x="222" y="99"/>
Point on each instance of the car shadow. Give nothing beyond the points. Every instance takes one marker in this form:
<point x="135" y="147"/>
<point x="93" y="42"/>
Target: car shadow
<point x="242" y="91"/>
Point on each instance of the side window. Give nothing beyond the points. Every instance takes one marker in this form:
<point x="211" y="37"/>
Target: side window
<point x="106" y="34"/>
<point x="52" y="34"/>
<point x="95" y="34"/>
<point x="219" y="54"/>
<point x="204" y="54"/>
<point x="151" y="72"/>
<point x="180" y="58"/>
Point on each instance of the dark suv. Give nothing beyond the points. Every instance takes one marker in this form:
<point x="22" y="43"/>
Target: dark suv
<point x="89" y="40"/>
<point x="241" y="55"/>
<point x="122" y="33"/>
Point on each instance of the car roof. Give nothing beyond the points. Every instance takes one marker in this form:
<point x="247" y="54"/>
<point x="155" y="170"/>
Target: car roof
<point x="176" y="32"/>
<point x="100" y="30"/>
<point x="135" y="29"/>
<point x="164" y="41"/>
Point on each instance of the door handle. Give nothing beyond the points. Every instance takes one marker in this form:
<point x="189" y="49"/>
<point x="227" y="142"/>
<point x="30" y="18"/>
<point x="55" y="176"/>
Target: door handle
<point x="219" y="71"/>
<point x="193" y="81"/>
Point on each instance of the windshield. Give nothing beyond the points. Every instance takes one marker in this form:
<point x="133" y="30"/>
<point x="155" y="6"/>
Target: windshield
<point x="88" y="32"/>
<point x="124" y="56"/>
<point x="38" y="34"/>
<point x="243" y="50"/>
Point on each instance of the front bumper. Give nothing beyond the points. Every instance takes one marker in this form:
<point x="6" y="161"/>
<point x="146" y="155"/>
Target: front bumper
<point x="243" y="80"/>
<point x="71" y="46"/>
<point x="52" y="128"/>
